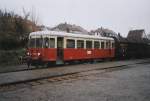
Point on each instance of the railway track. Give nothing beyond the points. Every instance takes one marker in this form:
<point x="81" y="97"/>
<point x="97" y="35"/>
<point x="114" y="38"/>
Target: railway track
<point x="53" y="66"/>
<point x="60" y="78"/>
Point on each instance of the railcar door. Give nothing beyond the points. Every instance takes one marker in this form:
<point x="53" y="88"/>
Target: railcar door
<point x="60" y="50"/>
<point x="109" y="46"/>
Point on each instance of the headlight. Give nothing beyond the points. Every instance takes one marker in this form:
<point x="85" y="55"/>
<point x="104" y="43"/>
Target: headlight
<point x="39" y="54"/>
<point x="28" y="53"/>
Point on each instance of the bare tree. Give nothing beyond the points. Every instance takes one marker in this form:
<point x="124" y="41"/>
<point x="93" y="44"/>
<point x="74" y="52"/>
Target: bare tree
<point x="34" y="16"/>
<point x="25" y="14"/>
<point x="31" y="15"/>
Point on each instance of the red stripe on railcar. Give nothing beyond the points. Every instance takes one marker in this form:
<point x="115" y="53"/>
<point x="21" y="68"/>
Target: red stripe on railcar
<point x="49" y="54"/>
<point x="77" y="54"/>
<point x="46" y="54"/>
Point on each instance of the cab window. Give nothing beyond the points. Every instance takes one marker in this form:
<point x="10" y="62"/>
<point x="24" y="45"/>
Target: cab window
<point x="35" y="42"/>
<point x="31" y="43"/>
<point x="39" y="42"/>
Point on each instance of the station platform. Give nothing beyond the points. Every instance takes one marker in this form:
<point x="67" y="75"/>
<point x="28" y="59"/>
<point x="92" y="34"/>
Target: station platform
<point x="36" y="74"/>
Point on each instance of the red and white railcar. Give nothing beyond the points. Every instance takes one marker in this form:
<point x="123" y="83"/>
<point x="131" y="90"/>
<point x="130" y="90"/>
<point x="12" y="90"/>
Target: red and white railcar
<point x="55" y="47"/>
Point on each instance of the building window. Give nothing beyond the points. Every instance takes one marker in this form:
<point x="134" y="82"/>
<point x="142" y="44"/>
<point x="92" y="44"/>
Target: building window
<point x="96" y="44"/>
<point x="88" y="44"/>
<point x="52" y="42"/>
<point x="80" y="44"/>
<point x="70" y="43"/>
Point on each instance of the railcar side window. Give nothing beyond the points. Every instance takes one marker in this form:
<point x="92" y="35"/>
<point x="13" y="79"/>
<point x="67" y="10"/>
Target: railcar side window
<point x="102" y="45"/>
<point x="107" y="44"/>
<point x="46" y="42"/>
<point x="96" y="44"/>
<point x="113" y="45"/>
<point x="88" y="44"/>
<point x="52" y="42"/>
<point x="70" y="43"/>
<point x="80" y="44"/>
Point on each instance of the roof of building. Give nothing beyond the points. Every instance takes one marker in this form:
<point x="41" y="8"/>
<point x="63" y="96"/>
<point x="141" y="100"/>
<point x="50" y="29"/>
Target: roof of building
<point x="69" y="28"/>
<point x="137" y="36"/>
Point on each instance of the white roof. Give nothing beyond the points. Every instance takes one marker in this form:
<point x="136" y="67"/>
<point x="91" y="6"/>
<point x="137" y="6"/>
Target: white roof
<point x="65" y="34"/>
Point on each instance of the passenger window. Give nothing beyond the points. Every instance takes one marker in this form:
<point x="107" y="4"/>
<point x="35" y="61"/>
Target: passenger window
<point x="113" y="45"/>
<point x="46" y="42"/>
<point x="88" y="44"/>
<point x="107" y="44"/>
<point x="80" y="44"/>
<point x="96" y="44"/>
<point x="52" y="42"/>
<point x="70" y="43"/>
<point x="102" y="45"/>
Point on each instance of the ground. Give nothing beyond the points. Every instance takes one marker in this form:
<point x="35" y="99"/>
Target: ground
<point x="129" y="84"/>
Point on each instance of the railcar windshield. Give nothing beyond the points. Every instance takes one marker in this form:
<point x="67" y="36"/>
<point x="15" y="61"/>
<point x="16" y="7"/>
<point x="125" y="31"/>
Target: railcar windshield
<point x="35" y="43"/>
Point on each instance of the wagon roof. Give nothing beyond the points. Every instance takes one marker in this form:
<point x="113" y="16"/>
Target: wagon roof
<point x="64" y="34"/>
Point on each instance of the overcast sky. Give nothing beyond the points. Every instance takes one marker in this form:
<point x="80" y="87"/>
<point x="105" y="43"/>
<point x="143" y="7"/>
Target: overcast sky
<point x="118" y="15"/>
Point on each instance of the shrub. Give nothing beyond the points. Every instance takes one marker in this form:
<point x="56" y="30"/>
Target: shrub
<point x="11" y="57"/>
